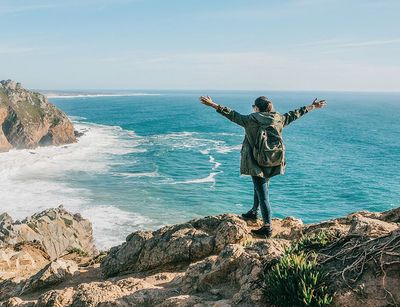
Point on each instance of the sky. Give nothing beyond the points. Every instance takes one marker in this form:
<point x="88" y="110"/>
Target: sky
<point x="341" y="45"/>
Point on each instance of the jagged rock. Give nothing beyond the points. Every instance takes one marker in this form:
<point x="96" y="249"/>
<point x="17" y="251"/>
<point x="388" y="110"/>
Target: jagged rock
<point x="28" y="120"/>
<point x="369" y="227"/>
<point x="4" y="144"/>
<point x="19" y="261"/>
<point x="287" y="228"/>
<point x="127" y="292"/>
<point x="52" y="274"/>
<point x="56" y="229"/>
<point x="56" y="298"/>
<point x="196" y="239"/>
<point x="392" y="215"/>
<point x="186" y="301"/>
<point x="236" y="272"/>
<point x="215" y="261"/>
<point x="14" y="301"/>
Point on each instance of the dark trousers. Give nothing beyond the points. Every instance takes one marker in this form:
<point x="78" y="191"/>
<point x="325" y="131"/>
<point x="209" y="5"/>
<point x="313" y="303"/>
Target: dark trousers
<point x="261" y="198"/>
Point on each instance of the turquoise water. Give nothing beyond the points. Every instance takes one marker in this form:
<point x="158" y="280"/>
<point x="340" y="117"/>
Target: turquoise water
<point x="151" y="160"/>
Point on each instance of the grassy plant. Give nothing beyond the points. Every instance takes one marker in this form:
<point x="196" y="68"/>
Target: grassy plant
<point x="312" y="241"/>
<point x="248" y="243"/>
<point x="96" y="259"/>
<point x="67" y="222"/>
<point x="296" y="280"/>
<point x="56" y="121"/>
<point x="78" y="251"/>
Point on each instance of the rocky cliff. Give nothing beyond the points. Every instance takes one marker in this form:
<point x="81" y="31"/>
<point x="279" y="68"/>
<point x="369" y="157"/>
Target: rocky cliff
<point x="211" y="261"/>
<point x="28" y="120"/>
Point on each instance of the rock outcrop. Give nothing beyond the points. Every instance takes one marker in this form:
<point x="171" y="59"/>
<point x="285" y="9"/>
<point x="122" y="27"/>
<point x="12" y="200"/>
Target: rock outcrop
<point x="28" y="120"/>
<point x="52" y="274"/>
<point x="196" y="239"/>
<point x="4" y="144"/>
<point x="215" y="261"/>
<point x="56" y="230"/>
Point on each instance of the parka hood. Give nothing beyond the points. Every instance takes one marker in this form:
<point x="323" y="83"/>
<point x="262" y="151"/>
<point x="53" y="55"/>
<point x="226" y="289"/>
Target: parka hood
<point x="264" y="117"/>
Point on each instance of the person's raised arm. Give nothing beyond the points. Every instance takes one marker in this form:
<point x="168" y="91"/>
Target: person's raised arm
<point x="232" y="115"/>
<point x="295" y="114"/>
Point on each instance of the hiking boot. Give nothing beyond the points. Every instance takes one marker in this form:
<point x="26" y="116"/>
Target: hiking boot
<point x="251" y="215"/>
<point x="264" y="231"/>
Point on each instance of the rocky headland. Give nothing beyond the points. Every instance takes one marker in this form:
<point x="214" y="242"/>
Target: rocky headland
<point x="49" y="259"/>
<point x="28" y="120"/>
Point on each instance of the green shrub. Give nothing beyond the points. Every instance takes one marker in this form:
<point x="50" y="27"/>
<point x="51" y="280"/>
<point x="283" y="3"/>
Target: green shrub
<point x="77" y="250"/>
<point x="96" y="259"/>
<point x="296" y="280"/>
<point x="67" y="222"/>
<point x="56" y="121"/>
<point x="312" y="241"/>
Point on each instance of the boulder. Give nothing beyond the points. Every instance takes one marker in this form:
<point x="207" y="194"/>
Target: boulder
<point x="185" y="300"/>
<point x="392" y="215"/>
<point x="369" y="227"/>
<point x="28" y="120"/>
<point x="126" y="292"/>
<point x="52" y="274"/>
<point x="196" y="239"/>
<point x="235" y="273"/>
<point x="14" y="301"/>
<point x="57" y="230"/>
<point x="4" y="144"/>
<point x="18" y="262"/>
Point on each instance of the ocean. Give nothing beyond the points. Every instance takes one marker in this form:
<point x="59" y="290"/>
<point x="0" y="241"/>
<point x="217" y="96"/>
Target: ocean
<point x="153" y="158"/>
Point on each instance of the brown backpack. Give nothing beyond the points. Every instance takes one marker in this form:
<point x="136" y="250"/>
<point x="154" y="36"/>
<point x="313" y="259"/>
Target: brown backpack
<point x="268" y="149"/>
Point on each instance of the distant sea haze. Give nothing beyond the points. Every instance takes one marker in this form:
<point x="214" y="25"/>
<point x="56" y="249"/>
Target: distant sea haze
<point x="151" y="158"/>
<point x="69" y="95"/>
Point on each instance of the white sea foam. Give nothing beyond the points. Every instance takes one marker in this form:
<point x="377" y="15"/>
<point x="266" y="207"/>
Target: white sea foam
<point x="144" y="174"/>
<point x="194" y="140"/>
<point x="33" y="180"/>
<point x="226" y="149"/>
<point x="76" y="118"/>
<point x="69" y="96"/>
<point x="216" y="164"/>
<point x="112" y="225"/>
<point x="209" y="178"/>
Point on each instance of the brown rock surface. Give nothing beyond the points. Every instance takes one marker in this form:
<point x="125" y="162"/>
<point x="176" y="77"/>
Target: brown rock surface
<point x="52" y="274"/>
<point x="4" y="144"/>
<point x="215" y="261"/>
<point x="57" y="230"/>
<point x="196" y="239"/>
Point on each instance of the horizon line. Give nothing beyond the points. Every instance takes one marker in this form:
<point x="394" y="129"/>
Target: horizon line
<point x="217" y="90"/>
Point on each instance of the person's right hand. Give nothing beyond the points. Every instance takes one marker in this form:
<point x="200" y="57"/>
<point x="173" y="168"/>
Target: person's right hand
<point x="319" y="103"/>
<point x="207" y="100"/>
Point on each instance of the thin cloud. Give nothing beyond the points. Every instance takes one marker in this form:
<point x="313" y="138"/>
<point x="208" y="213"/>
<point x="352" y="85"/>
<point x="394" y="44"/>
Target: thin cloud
<point x="339" y="44"/>
<point x="17" y="50"/>
<point x="13" y="7"/>
<point x="372" y="43"/>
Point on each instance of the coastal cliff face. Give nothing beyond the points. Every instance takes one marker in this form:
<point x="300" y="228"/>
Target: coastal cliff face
<point x="211" y="261"/>
<point x="28" y="120"/>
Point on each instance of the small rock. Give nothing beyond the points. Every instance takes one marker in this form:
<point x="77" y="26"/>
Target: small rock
<point x="52" y="274"/>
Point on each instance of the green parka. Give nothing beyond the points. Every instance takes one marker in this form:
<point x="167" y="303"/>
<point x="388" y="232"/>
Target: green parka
<point x="251" y="122"/>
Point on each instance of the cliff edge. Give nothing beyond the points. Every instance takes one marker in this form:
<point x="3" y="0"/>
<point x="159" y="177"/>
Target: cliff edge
<point x="28" y="120"/>
<point x="210" y="261"/>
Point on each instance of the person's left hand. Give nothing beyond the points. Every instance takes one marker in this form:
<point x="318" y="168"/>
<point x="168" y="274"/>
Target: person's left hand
<point x="207" y="100"/>
<point x="318" y="104"/>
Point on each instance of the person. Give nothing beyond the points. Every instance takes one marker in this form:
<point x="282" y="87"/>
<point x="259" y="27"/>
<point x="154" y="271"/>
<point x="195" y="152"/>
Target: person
<point x="264" y="113"/>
